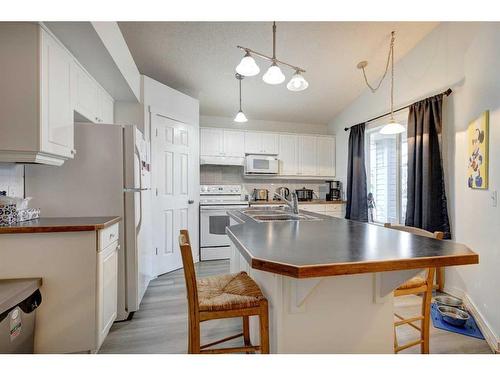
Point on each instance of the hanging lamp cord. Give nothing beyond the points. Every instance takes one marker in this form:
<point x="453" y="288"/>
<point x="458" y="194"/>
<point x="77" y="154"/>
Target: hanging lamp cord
<point x="239" y="79"/>
<point x="274" y="42"/>
<point x="389" y="55"/>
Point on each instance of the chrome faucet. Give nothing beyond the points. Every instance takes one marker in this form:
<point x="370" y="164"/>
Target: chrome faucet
<point x="292" y="203"/>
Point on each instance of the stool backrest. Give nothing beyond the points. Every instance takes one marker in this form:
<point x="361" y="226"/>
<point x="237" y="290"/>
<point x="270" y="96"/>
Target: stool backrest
<point x="189" y="273"/>
<point x="417" y="231"/>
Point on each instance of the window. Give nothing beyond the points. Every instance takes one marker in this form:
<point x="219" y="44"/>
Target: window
<point x="387" y="171"/>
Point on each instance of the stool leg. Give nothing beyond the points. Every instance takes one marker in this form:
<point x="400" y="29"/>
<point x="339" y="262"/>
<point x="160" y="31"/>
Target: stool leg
<point x="246" y="330"/>
<point x="194" y="338"/>
<point x="264" y="327"/>
<point x="426" y="312"/>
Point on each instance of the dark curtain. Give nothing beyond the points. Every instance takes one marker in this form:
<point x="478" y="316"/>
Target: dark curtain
<point x="357" y="204"/>
<point x="426" y="207"/>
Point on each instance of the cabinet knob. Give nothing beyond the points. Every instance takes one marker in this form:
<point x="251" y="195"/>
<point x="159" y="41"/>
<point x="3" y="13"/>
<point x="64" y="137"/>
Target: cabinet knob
<point x="73" y="152"/>
<point x="191" y="201"/>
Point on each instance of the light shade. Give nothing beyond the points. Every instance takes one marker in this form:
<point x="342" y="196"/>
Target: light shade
<point x="240" y="117"/>
<point x="273" y="76"/>
<point x="297" y="83"/>
<point x="247" y="66"/>
<point x="392" y="128"/>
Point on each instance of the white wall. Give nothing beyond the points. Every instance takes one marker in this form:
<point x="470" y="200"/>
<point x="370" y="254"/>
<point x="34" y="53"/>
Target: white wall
<point x="463" y="56"/>
<point x="273" y="126"/>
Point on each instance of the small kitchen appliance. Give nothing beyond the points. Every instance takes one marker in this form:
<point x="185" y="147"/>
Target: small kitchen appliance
<point x="283" y="191"/>
<point x="260" y="194"/>
<point x="261" y="164"/>
<point x="215" y="201"/>
<point x="334" y="190"/>
<point x="304" y="194"/>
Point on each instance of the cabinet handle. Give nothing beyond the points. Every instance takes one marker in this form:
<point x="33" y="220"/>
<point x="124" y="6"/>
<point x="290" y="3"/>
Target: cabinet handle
<point x="191" y="201"/>
<point x="73" y="152"/>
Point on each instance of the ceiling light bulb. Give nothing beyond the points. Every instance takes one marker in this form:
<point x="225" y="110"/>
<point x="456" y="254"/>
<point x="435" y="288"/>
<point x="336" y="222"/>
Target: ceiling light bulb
<point x="273" y="76"/>
<point x="240" y="117"/>
<point x="297" y="83"/>
<point x="392" y="127"/>
<point x="247" y="66"/>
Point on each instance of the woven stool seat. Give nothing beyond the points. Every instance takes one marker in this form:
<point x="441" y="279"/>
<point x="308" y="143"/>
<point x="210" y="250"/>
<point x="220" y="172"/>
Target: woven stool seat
<point x="414" y="282"/>
<point x="227" y="292"/>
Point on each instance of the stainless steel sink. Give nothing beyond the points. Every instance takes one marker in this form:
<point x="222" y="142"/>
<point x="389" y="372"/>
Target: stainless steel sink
<point x="276" y="214"/>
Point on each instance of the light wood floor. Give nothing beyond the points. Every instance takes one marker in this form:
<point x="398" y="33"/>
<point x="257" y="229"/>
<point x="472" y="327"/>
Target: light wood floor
<point x="160" y="326"/>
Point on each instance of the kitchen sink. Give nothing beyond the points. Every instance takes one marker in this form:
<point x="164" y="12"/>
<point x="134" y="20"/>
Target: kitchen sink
<point x="276" y="214"/>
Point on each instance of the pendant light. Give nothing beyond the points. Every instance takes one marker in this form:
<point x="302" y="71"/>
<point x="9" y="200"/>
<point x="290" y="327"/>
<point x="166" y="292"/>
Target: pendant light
<point x="240" y="116"/>
<point x="297" y="83"/>
<point x="392" y="127"/>
<point x="273" y="76"/>
<point x="247" y="66"/>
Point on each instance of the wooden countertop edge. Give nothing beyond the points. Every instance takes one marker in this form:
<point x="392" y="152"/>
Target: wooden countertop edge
<point x="59" y="228"/>
<point x="352" y="268"/>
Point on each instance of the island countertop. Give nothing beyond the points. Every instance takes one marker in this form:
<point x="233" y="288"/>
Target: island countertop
<point x="333" y="246"/>
<point x="60" y="224"/>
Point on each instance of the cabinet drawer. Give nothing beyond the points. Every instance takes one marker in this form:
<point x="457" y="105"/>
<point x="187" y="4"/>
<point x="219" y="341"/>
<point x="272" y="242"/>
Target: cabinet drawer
<point x="108" y="235"/>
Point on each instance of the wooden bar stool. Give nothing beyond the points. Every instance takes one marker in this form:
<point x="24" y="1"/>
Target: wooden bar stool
<point x="416" y="285"/>
<point x="220" y="297"/>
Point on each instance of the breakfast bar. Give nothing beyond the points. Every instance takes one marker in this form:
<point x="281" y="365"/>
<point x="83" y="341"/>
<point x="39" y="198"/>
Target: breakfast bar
<point x="329" y="281"/>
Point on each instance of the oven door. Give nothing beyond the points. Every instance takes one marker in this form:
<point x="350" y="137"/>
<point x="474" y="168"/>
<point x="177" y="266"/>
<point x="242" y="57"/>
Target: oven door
<point x="213" y="223"/>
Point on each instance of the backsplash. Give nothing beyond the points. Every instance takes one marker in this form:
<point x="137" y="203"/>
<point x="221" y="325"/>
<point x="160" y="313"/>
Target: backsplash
<point x="12" y="179"/>
<point x="228" y="175"/>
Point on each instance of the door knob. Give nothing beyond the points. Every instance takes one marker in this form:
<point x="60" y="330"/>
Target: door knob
<point x="191" y="201"/>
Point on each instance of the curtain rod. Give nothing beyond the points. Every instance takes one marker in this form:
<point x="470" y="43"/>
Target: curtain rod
<point x="447" y="93"/>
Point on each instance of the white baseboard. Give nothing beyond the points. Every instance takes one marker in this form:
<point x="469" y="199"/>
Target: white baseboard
<point x="491" y="337"/>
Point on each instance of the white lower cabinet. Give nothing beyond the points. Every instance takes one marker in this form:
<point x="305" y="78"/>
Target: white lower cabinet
<point x="79" y="272"/>
<point x="107" y="292"/>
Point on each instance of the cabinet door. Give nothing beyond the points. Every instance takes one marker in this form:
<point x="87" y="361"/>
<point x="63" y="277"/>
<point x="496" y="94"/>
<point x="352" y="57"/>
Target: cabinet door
<point x="308" y="155"/>
<point x="211" y="142"/>
<point x="107" y="284"/>
<point x="288" y="153"/>
<point x="270" y="143"/>
<point x="57" y="123"/>
<point x="234" y="143"/>
<point x="87" y="101"/>
<point x="106" y="107"/>
<point x="326" y="156"/>
<point x="253" y="143"/>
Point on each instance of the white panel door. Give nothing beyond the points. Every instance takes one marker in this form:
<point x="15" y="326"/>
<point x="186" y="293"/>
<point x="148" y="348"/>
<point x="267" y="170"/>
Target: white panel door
<point x="270" y="143"/>
<point x="174" y="179"/>
<point x="253" y="143"/>
<point x="211" y="142"/>
<point x="288" y="153"/>
<point x="234" y="143"/>
<point x="308" y="156"/>
<point x="326" y="156"/>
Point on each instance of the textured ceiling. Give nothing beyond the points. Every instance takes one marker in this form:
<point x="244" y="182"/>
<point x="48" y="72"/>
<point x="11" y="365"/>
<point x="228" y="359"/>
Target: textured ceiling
<point x="198" y="58"/>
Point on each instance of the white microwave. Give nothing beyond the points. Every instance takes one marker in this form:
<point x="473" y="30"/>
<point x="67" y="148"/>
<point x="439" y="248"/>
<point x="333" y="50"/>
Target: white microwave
<point x="261" y="164"/>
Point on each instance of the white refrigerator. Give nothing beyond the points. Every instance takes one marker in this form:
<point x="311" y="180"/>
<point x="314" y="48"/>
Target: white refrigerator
<point x="110" y="175"/>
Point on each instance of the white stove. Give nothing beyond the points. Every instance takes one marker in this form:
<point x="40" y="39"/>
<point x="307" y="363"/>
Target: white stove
<point x="215" y="201"/>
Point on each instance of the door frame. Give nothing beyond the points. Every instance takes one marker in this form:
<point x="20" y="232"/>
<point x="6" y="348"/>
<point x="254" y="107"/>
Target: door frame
<point x="195" y="232"/>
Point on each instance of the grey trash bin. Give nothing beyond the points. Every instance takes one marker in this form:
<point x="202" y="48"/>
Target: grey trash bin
<point x="19" y="299"/>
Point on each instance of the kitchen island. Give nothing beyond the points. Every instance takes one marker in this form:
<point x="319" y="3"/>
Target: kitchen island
<point x="329" y="281"/>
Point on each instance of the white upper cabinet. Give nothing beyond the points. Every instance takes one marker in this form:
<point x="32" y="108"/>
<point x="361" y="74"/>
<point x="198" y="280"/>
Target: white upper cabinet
<point x="41" y="85"/>
<point x="92" y="101"/>
<point x="56" y="106"/>
<point x="234" y="143"/>
<point x="211" y="142"/>
<point x="261" y="143"/>
<point x="308" y="155"/>
<point x="222" y="142"/>
<point x="326" y="156"/>
<point x="288" y="154"/>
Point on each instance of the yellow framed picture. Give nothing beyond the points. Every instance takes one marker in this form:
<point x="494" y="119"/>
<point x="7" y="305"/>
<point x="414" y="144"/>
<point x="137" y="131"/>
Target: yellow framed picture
<point x="477" y="138"/>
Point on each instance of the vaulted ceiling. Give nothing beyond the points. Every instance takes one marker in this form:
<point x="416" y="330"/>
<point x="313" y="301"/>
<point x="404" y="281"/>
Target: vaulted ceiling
<point x="199" y="58"/>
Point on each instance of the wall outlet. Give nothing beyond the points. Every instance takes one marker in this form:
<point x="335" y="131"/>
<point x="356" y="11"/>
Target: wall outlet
<point x="493" y="197"/>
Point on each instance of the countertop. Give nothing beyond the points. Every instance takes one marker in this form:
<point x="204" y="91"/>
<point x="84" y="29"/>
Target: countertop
<point x="61" y="224"/>
<point x="334" y="246"/>
<point x="314" y="201"/>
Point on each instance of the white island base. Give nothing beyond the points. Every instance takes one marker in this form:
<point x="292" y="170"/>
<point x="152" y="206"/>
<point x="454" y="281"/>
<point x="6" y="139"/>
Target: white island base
<point x="336" y="314"/>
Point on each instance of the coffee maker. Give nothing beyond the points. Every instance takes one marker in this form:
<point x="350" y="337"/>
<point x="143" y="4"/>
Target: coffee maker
<point x="334" y="190"/>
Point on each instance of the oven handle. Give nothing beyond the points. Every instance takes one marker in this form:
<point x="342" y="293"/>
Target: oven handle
<point x="221" y="208"/>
